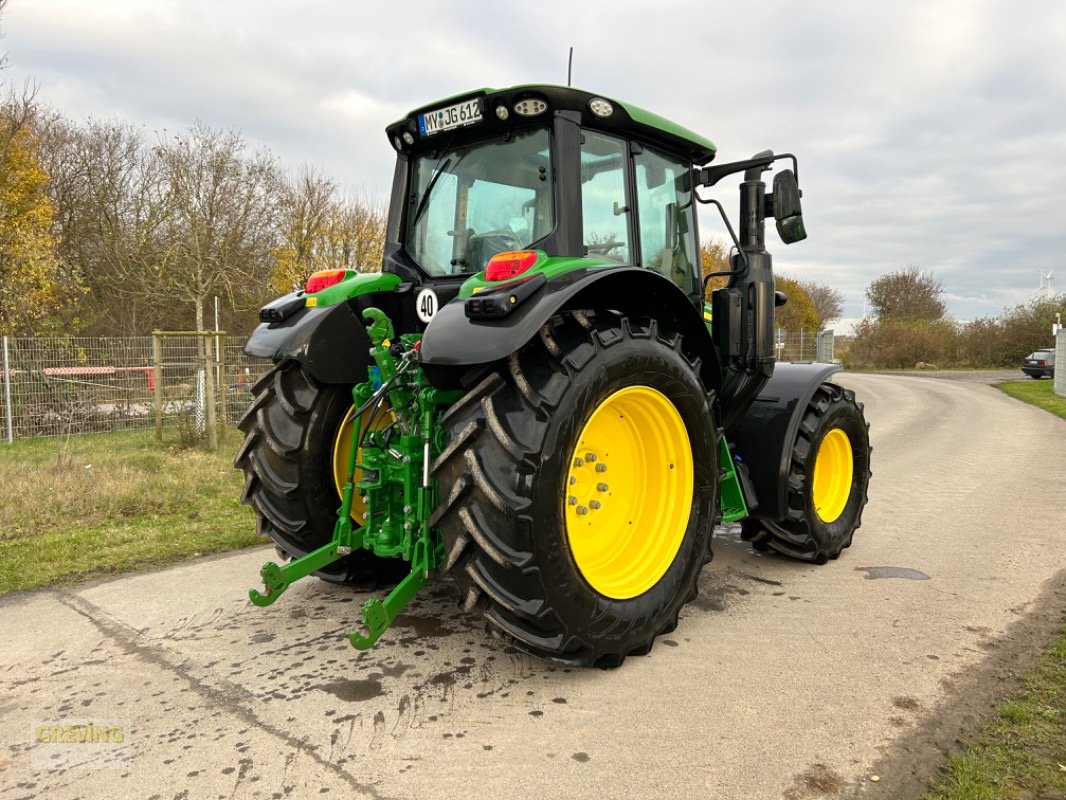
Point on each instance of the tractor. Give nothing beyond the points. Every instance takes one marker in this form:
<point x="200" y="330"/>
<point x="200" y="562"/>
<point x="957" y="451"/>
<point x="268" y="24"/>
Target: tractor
<point x="533" y="396"/>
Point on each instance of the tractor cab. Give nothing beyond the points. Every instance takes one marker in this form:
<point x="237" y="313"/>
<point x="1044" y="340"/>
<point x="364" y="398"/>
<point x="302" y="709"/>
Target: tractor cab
<point x="551" y="170"/>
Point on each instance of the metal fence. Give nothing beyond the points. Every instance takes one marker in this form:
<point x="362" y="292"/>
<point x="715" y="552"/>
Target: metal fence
<point x="57" y="386"/>
<point x="66" y="385"/>
<point x="803" y="346"/>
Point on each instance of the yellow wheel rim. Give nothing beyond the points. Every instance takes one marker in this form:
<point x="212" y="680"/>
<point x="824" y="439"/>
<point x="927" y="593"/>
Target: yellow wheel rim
<point x="342" y="449"/>
<point x="833" y="472"/>
<point x="628" y="492"/>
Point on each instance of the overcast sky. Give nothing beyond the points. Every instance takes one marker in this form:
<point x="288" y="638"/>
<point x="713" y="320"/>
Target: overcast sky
<point x="929" y="133"/>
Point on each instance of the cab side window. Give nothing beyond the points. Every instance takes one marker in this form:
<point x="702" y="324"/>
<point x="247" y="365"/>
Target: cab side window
<point x="604" y="206"/>
<point x="667" y="217"/>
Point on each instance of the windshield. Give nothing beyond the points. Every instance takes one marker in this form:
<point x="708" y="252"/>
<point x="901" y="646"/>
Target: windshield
<point x="475" y="201"/>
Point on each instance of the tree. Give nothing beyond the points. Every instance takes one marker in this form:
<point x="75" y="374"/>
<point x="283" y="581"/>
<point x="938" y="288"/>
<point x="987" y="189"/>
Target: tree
<point x="218" y="232"/>
<point x="909" y="294"/>
<point x="714" y="258"/>
<point x="799" y="313"/>
<point x="828" y="302"/>
<point x="111" y="208"/>
<point x="318" y="229"/>
<point x="29" y="286"/>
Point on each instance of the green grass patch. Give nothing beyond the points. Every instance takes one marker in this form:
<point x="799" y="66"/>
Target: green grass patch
<point x="1038" y="393"/>
<point x="1022" y="752"/>
<point x="101" y="504"/>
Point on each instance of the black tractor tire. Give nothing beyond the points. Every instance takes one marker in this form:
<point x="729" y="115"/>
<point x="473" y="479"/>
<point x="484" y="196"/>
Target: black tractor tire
<point x="803" y="534"/>
<point x="503" y="479"/>
<point x="286" y="456"/>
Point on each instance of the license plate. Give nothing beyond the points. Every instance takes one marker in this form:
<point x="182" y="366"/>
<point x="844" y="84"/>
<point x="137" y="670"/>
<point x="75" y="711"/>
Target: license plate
<point x="445" y="119"/>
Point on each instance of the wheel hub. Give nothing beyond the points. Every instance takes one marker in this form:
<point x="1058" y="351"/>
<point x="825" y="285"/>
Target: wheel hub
<point x="628" y="492"/>
<point x="833" y="474"/>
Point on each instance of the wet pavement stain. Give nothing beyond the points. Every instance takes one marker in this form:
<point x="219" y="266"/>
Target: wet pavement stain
<point x="354" y="691"/>
<point x="874" y="573"/>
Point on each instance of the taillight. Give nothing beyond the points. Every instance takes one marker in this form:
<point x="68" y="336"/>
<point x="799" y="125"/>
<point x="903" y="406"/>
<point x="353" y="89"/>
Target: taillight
<point x="506" y="265"/>
<point x="323" y="279"/>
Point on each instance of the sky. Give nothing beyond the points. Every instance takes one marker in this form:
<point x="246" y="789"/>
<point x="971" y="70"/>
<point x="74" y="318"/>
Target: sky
<point x="928" y="133"/>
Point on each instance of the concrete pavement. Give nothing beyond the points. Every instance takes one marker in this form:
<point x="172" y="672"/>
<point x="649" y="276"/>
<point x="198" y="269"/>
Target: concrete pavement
<point x="782" y="680"/>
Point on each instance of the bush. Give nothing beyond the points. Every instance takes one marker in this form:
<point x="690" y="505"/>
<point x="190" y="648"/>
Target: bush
<point x="898" y="344"/>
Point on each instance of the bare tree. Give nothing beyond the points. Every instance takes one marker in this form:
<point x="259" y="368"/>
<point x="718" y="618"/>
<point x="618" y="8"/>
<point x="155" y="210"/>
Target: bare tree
<point x="828" y="302"/>
<point x="110" y="206"/>
<point x="219" y="230"/>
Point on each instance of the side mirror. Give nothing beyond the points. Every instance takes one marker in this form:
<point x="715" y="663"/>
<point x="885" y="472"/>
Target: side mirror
<point x="787" y="209"/>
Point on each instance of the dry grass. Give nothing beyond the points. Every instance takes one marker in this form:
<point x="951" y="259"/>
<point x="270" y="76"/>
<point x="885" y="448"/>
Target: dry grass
<point x="107" y="503"/>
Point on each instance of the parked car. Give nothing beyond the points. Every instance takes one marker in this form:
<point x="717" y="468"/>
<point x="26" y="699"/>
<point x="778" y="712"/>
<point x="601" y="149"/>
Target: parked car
<point x="1040" y="363"/>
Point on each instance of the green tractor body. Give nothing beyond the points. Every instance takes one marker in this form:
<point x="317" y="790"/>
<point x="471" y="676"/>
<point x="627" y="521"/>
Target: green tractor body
<point x="533" y="396"/>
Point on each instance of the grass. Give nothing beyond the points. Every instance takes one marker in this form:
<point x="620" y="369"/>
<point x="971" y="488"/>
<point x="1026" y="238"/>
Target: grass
<point x="1021" y="754"/>
<point x="103" y="504"/>
<point x="1038" y="393"/>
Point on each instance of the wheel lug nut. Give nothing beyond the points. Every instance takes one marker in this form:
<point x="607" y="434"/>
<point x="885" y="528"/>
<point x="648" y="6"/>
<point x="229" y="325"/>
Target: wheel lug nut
<point x="601" y="467"/>
<point x="573" y="480"/>
<point x="582" y="511"/>
<point x="572" y="500"/>
<point x="579" y="462"/>
<point x="590" y="457"/>
<point x="602" y="487"/>
<point x="594" y="504"/>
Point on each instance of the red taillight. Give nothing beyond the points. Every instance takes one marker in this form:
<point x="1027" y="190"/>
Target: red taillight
<point x="1042" y="363"/>
<point x="506" y="265"/>
<point x="323" y="279"/>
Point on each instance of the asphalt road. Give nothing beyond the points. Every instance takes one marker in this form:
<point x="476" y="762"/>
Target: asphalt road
<point x="782" y="680"/>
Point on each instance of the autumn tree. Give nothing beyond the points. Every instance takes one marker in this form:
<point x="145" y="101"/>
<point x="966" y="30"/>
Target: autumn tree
<point x="909" y="294"/>
<point x="714" y="258"/>
<point x="799" y="313"/>
<point x="320" y="229"/>
<point x="29" y="286"/>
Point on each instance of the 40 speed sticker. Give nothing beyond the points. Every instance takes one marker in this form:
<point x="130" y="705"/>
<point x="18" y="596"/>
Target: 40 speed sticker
<point x="426" y="304"/>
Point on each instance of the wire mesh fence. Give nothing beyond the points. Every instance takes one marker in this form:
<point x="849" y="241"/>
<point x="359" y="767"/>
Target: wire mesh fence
<point x="175" y="380"/>
<point x="803" y="346"/>
<point x="56" y="386"/>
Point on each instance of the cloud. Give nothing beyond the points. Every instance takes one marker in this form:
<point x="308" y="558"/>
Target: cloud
<point x="929" y="133"/>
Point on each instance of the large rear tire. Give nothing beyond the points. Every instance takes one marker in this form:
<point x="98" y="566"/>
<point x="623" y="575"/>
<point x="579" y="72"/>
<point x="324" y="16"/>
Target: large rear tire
<point x="829" y="477"/>
<point x="292" y="429"/>
<point x="579" y="489"/>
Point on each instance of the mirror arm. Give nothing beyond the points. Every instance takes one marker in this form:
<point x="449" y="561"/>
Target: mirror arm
<point x="709" y="176"/>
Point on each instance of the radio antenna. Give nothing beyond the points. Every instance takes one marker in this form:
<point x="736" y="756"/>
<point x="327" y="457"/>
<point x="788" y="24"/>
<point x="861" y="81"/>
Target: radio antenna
<point x="570" y="66"/>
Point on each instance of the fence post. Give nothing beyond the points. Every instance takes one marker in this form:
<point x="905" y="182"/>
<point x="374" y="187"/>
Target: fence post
<point x="209" y="392"/>
<point x="824" y="347"/>
<point x="7" y="395"/>
<point x="223" y="388"/>
<point x="157" y="374"/>
<point x="1060" y="362"/>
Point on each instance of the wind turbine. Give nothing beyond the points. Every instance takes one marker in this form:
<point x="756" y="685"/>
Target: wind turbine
<point x="1045" y="282"/>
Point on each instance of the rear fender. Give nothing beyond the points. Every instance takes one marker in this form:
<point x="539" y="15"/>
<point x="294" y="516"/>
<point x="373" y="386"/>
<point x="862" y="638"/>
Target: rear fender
<point x="453" y="342"/>
<point x="763" y="438"/>
<point x="329" y="339"/>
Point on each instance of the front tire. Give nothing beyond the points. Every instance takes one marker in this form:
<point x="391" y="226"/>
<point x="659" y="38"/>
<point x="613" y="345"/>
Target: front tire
<point x="579" y="489"/>
<point x="828" y="482"/>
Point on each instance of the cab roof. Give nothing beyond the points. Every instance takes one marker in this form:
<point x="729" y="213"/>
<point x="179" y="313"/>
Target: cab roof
<point x="624" y="118"/>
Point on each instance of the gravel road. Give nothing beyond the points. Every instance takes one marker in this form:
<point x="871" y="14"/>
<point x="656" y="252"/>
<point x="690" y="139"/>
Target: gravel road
<point x="783" y="680"/>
